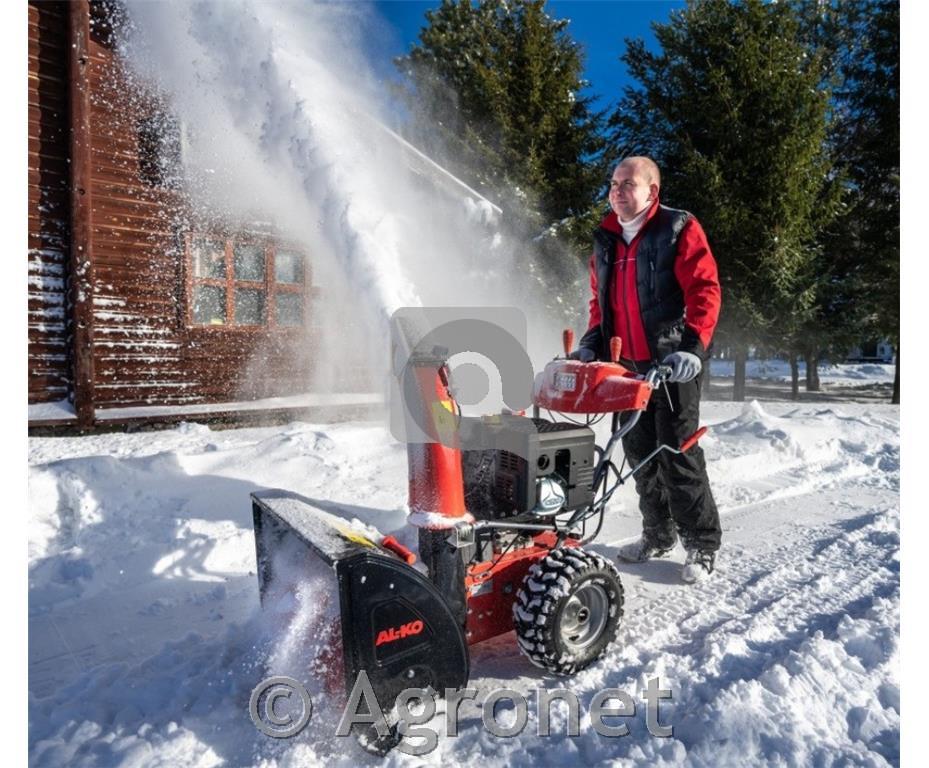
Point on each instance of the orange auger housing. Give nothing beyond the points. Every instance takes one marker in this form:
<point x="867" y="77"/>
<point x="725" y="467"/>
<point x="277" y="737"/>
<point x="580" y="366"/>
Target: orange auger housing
<point x="436" y="485"/>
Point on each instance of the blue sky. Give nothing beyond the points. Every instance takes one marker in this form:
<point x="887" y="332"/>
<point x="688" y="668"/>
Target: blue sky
<point x="599" y="25"/>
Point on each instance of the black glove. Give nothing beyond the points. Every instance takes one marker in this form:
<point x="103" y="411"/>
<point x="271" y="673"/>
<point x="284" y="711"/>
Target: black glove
<point x="583" y="354"/>
<point x="684" y="366"/>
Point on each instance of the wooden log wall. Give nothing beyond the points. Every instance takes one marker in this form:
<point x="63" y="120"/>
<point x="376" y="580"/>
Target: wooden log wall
<point x="49" y="202"/>
<point x="144" y="351"/>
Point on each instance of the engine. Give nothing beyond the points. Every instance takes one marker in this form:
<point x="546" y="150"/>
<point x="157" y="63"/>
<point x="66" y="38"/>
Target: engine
<point x="527" y="467"/>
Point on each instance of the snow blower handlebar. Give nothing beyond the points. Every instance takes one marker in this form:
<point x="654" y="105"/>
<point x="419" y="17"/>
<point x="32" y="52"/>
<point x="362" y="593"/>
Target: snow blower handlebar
<point x="689" y="443"/>
<point x="692" y="440"/>
<point x="655" y="377"/>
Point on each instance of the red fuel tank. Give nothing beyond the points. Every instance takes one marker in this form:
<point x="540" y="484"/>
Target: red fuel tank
<point x="571" y="386"/>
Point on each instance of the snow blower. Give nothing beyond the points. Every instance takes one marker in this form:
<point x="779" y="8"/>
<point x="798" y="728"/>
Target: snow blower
<point x="501" y="532"/>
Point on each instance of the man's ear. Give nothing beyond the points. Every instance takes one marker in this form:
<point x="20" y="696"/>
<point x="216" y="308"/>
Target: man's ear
<point x="653" y="192"/>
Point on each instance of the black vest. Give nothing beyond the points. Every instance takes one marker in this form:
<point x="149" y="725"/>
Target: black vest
<point x="661" y="300"/>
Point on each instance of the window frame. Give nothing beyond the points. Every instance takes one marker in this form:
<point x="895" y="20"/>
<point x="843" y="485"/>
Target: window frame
<point x="269" y="287"/>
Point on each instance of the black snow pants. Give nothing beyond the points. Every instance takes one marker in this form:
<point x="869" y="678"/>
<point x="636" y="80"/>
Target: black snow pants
<point x="674" y="491"/>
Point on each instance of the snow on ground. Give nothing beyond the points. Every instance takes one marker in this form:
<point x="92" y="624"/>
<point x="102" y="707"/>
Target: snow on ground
<point x="829" y="373"/>
<point x="145" y="637"/>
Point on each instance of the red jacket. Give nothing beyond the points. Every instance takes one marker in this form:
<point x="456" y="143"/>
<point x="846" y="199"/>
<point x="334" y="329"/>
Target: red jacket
<point x="695" y="273"/>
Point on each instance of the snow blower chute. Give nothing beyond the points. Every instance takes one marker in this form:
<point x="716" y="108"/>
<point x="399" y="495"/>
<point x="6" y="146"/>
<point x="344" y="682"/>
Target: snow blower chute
<point x="503" y="505"/>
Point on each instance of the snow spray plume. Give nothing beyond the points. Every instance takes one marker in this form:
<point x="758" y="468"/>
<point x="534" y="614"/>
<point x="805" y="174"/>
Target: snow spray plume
<point x="301" y="630"/>
<point x="282" y="124"/>
<point x="551" y="284"/>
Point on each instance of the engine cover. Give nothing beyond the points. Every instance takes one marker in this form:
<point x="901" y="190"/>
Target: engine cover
<point x="503" y="480"/>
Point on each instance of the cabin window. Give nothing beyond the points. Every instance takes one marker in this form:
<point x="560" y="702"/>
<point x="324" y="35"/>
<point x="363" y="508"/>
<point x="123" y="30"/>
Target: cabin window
<point x="288" y="268"/>
<point x="236" y="282"/>
<point x="289" y="309"/>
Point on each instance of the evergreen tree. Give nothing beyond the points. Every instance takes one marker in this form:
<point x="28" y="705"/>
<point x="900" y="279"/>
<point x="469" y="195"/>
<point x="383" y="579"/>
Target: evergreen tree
<point x="734" y="110"/>
<point x="494" y="89"/>
<point x="861" y="39"/>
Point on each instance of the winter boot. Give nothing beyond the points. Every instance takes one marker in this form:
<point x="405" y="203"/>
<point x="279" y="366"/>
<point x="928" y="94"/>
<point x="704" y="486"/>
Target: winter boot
<point x="642" y="550"/>
<point x="698" y="565"/>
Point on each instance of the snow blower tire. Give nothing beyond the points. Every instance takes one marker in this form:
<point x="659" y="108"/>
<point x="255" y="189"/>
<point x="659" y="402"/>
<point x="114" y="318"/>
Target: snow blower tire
<point x="568" y="610"/>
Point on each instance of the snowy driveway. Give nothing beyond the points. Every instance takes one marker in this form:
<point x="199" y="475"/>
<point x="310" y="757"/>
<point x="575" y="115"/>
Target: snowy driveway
<point x="145" y="639"/>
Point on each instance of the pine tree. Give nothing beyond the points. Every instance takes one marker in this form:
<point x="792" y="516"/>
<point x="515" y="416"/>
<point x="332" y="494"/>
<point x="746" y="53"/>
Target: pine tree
<point x="494" y="89"/>
<point x="862" y="37"/>
<point x="734" y="110"/>
<point x="859" y="265"/>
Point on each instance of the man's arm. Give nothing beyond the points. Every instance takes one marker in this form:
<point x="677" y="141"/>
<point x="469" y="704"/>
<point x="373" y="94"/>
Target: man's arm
<point x="695" y="269"/>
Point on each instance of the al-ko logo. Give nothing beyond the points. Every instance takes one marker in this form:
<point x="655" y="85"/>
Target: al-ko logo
<point x="393" y="634"/>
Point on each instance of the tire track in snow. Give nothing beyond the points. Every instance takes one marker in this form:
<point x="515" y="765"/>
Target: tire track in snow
<point x="756" y="629"/>
<point x="759" y="614"/>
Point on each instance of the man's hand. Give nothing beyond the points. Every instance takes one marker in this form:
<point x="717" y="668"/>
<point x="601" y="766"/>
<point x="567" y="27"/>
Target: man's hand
<point x="583" y="354"/>
<point x="684" y="366"/>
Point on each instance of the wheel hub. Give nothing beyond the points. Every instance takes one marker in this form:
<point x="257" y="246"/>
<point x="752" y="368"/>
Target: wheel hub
<point x="585" y="617"/>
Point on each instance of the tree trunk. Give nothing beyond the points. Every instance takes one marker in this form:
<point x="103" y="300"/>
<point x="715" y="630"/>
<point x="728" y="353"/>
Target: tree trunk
<point x="794" y="376"/>
<point x="812" y="371"/>
<point x="738" y="385"/>
<point x="896" y="396"/>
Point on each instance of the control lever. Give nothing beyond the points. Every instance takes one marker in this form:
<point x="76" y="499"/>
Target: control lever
<point x="616" y="348"/>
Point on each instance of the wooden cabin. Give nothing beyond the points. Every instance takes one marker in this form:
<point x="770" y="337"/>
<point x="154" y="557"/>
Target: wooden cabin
<point x="135" y="301"/>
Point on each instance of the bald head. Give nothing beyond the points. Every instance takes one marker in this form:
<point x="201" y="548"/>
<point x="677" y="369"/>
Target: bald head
<point x="634" y="186"/>
<point x="644" y="166"/>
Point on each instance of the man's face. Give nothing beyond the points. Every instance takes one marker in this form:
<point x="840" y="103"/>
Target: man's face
<point x="630" y="192"/>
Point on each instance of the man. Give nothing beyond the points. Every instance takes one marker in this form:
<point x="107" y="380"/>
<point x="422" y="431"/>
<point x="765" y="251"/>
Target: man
<point x="654" y="284"/>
